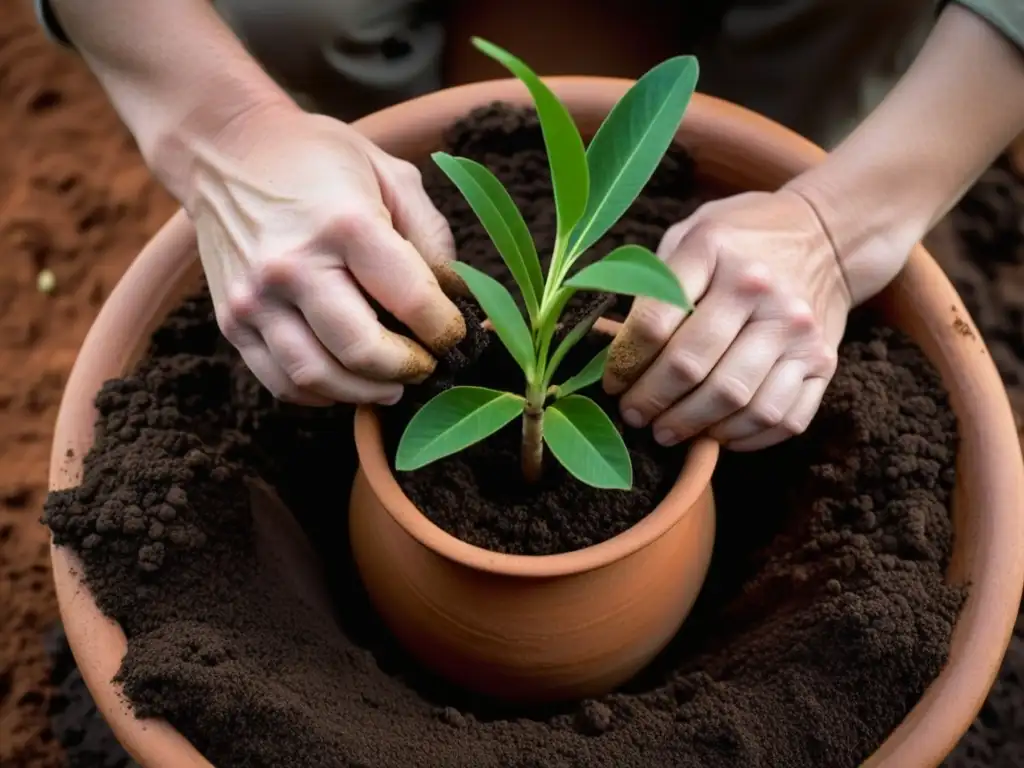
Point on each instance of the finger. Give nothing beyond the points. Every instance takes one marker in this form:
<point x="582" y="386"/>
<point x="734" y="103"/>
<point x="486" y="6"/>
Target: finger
<point x="689" y="357"/>
<point x="417" y="219"/>
<point x="271" y="375"/>
<point x="795" y="422"/>
<point x="730" y="386"/>
<point x="674" y="235"/>
<point x="391" y="270"/>
<point x="307" y="364"/>
<point x="232" y="316"/>
<point x="651" y="324"/>
<point x="347" y="326"/>
<point x="770" y="404"/>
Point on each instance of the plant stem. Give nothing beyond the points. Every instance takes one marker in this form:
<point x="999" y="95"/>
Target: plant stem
<point x="533" y="436"/>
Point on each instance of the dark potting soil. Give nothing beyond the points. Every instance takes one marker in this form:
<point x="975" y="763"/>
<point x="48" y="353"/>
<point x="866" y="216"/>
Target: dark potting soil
<point x="823" y="618"/>
<point x="474" y="496"/>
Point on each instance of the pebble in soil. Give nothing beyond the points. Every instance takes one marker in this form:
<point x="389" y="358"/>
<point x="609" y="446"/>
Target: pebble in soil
<point x="824" y="617"/>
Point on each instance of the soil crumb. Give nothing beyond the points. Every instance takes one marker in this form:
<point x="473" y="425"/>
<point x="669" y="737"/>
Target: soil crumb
<point x="823" y="618"/>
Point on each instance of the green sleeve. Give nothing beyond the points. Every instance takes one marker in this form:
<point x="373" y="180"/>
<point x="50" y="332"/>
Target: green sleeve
<point x="1005" y="15"/>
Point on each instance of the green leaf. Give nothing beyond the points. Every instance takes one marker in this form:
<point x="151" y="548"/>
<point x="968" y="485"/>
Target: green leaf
<point x="572" y="338"/>
<point x="501" y="218"/>
<point x="586" y="442"/>
<point x="632" y="270"/>
<point x="566" y="153"/>
<point x="453" y="420"/>
<point x="591" y="373"/>
<point x="630" y="143"/>
<point x="501" y="310"/>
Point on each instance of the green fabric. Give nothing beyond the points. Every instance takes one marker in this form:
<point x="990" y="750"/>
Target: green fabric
<point x="1005" y="15"/>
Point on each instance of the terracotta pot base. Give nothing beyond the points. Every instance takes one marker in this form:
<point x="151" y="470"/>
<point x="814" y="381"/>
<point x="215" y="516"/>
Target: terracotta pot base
<point x="531" y="628"/>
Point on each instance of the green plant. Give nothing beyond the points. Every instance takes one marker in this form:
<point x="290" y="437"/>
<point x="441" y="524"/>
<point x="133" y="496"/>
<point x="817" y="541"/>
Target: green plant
<point x="593" y="187"/>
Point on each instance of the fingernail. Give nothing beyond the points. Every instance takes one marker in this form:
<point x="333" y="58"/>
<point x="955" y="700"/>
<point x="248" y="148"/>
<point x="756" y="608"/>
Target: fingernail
<point x="453" y="333"/>
<point x="449" y="280"/>
<point x="391" y="399"/>
<point x="626" y="361"/>
<point x="666" y="437"/>
<point x="633" y="418"/>
<point x="418" y="362"/>
<point x="417" y="379"/>
<point x="614" y="385"/>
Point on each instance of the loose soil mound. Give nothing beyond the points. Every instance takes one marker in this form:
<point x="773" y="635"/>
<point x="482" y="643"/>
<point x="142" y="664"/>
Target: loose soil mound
<point x="68" y="160"/>
<point x="824" y="616"/>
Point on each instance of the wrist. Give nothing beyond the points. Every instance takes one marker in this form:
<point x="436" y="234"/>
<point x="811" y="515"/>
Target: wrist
<point x="910" y="161"/>
<point x="173" y="91"/>
<point x="173" y="150"/>
<point x="872" y="227"/>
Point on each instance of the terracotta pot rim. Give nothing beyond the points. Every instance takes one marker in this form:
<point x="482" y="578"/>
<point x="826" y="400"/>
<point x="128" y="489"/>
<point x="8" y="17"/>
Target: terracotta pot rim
<point x="693" y="479"/>
<point x="723" y="136"/>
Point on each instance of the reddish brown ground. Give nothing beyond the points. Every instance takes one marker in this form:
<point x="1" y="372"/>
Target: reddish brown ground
<point x="75" y="199"/>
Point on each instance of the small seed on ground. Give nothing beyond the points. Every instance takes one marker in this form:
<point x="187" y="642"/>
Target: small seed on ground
<point x="46" y="281"/>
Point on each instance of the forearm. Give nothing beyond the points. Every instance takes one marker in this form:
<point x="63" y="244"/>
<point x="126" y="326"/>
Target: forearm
<point x="173" y="70"/>
<point x="902" y="169"/>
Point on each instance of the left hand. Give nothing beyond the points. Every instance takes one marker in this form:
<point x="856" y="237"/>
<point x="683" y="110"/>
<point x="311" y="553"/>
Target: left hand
<point x="750" y="364"/>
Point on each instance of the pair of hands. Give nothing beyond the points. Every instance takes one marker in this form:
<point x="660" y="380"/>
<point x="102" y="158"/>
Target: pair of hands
<point x="299" y="218"/>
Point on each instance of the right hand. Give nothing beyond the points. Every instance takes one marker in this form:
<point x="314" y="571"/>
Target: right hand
<point x="297" y="216"/>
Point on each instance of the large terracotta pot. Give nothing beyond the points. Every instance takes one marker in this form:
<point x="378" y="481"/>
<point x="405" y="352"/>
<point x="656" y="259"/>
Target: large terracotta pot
<point x="516" y="627"/>
<point x="736" y="149"/>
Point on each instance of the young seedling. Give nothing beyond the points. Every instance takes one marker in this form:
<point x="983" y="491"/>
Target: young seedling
<point x="593" y="187"/>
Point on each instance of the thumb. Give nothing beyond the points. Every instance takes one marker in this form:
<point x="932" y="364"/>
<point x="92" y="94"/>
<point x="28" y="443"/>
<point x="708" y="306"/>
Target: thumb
<point x="415" y="218"/>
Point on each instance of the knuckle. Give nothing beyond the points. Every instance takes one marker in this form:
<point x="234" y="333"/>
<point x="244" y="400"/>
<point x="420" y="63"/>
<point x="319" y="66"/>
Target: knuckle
<point x="766" y="416"/>
<point x="753" y="279"/>
<point x="684" y="367"/>
<point x="714" y="236"/>
<point x="672" y="233"/>
<point x="240" y="307"/>
<point x="672" y="238"/>
<point x="416" y="298"/>
<point x="649" y="403"/>
<point x="828" y="360"/>
<point x="650" y="325"/>
<point x="278" y="270"/>
<point x="407" y="173"/>
<point x="440" y="234"/>
<point x="732" y="392"/>
<point x="435" y="242"/>
<point x="359" y="356"/>
<point x="800" y="317"/>
<point x="352" y="225"/>
<point x="228" y="322"/>
<point x="306" y="375"/>
<point x="794" y="425"/>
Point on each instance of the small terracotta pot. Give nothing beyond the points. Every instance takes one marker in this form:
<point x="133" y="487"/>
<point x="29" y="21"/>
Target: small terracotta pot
<point x="734" y="150"/>
<point x="521" y="627"/>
